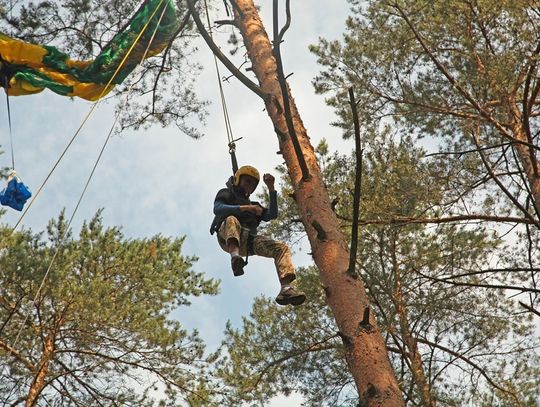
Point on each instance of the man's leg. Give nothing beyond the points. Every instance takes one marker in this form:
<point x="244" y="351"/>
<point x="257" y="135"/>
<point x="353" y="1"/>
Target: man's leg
<point x="229" y="235"/>
<point x="280" y="252"/>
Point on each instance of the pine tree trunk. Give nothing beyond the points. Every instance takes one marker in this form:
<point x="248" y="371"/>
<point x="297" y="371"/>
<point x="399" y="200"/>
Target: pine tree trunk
<point x="526" y="153"/>
<point x="366" y="352"/>
<point x="42" y="370"/>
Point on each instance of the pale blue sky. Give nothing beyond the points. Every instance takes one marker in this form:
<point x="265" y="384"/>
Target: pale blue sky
<point x="161" y="181"/>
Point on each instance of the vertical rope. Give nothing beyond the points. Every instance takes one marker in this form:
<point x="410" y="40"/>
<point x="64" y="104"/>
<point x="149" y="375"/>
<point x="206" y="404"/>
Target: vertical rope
<point x="10" y="129"/>
<point x="228" y="127"/>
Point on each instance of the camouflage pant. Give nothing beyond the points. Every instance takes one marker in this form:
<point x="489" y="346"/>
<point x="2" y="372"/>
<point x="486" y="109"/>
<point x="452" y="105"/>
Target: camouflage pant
<point x="262" y="246"/>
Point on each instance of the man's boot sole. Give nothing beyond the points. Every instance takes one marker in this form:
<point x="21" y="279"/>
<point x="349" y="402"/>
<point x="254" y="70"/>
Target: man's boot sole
<point x="295" y="300"/>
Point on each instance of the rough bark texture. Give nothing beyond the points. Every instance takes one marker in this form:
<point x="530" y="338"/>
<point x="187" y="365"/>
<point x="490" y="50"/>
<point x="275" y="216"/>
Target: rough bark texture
<point x="366" y="352"/>
<point x="41" y="372"/>
<point x="526" y="153"/>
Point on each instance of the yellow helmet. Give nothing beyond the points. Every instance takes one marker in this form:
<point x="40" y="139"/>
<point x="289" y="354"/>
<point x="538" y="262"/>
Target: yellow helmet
<point x="246" y="170"/>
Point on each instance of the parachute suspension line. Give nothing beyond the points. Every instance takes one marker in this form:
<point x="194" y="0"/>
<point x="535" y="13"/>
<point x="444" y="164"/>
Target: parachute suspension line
<point x="10" y="129"/>
<point x="231" y="142"/>
<point x="92" y="109"/>
<point x="61" y="241"/>
<point x="4" y="83"/>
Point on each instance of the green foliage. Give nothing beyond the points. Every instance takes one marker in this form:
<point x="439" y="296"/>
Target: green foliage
<point x="483" y="46"/>
<point x="105" y="302"/>
<point x="474" y="342"/>
<point x="444" y="72"/>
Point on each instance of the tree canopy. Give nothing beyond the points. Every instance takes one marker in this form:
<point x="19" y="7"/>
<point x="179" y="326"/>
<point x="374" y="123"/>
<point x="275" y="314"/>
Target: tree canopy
<point x="97" y="329"/>
<point x="459" y="77"/>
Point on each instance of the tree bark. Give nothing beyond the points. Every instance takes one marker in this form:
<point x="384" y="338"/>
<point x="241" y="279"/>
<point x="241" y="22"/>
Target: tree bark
<point x="526" y="153"/>
<point x="41" y="372"/>
<point x="366" y="352"/>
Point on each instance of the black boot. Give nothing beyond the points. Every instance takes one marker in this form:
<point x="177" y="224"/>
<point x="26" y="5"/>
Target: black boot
<point x="288" y="295"/>
<point x="237" y="264"/>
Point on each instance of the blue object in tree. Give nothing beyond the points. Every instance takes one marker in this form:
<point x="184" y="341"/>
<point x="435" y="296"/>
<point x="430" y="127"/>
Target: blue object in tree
<point x="15" y="194"/>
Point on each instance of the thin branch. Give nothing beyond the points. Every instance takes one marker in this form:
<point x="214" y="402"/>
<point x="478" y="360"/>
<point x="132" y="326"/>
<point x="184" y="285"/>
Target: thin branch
<point x="500" y="184"/>
<point x="458" y="218"/>
<point x="285" y="95"/>
<point x="527" y="307"/>
<point x="357" y="184"/>
<point x="475" y="150"/>
<point x="13" y="352"/>
<point x="460" y="356"/>
<point x="316" y="347"/>
<point x="487" y="271"/>
<point x="522" y="174"/>
<point x="287" y="23"/>
<point x="236" y="8"/>
<point x="164" y="58"/>
<point x="489" y="286"/>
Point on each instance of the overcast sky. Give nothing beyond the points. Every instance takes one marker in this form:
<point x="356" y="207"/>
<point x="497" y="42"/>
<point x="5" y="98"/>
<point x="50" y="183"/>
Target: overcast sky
<point x="162" y="182"/>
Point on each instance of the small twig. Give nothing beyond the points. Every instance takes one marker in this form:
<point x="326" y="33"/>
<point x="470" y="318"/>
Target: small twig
<point x="528" y="307"/>
<point x="225" y="22"/>
<point x="288" y="22"/>
<point x="321" y="233"/>
<point x="490" y="286"/>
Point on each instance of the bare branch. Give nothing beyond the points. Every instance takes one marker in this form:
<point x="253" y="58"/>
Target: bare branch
<point x="527" y="307"/>
<point x="460" y="356"/>
<point x="13" y="352"/>
<point x="217" y="52"/>
<point x="357" y="184"/>
<point x="489" y="286"/>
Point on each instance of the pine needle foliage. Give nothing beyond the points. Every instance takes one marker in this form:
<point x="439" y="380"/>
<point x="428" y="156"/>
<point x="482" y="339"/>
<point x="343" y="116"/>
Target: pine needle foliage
<point x="97" y="325"/>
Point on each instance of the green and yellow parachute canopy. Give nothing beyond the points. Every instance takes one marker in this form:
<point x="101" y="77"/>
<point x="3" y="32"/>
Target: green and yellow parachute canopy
<point x="29" y="68"/>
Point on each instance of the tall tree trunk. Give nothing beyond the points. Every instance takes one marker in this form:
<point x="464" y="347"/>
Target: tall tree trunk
<point x="526" y="152"/>
<point x="366" y="352"/>
<point x="41" y="372"/>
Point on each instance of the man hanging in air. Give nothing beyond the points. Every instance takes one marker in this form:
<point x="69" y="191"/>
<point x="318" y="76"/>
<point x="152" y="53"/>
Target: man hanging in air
<point x="236" y="221"/>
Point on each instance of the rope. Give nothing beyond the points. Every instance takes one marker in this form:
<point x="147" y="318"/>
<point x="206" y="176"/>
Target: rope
<point x="6" y="84"/>
<point x="10" y="130"/>
<point x="61" y="241"/>
<point x="230" y="139"/>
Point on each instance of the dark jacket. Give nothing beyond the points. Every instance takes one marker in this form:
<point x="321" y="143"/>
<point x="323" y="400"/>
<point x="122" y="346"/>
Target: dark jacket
<point x="227" y="203"/>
